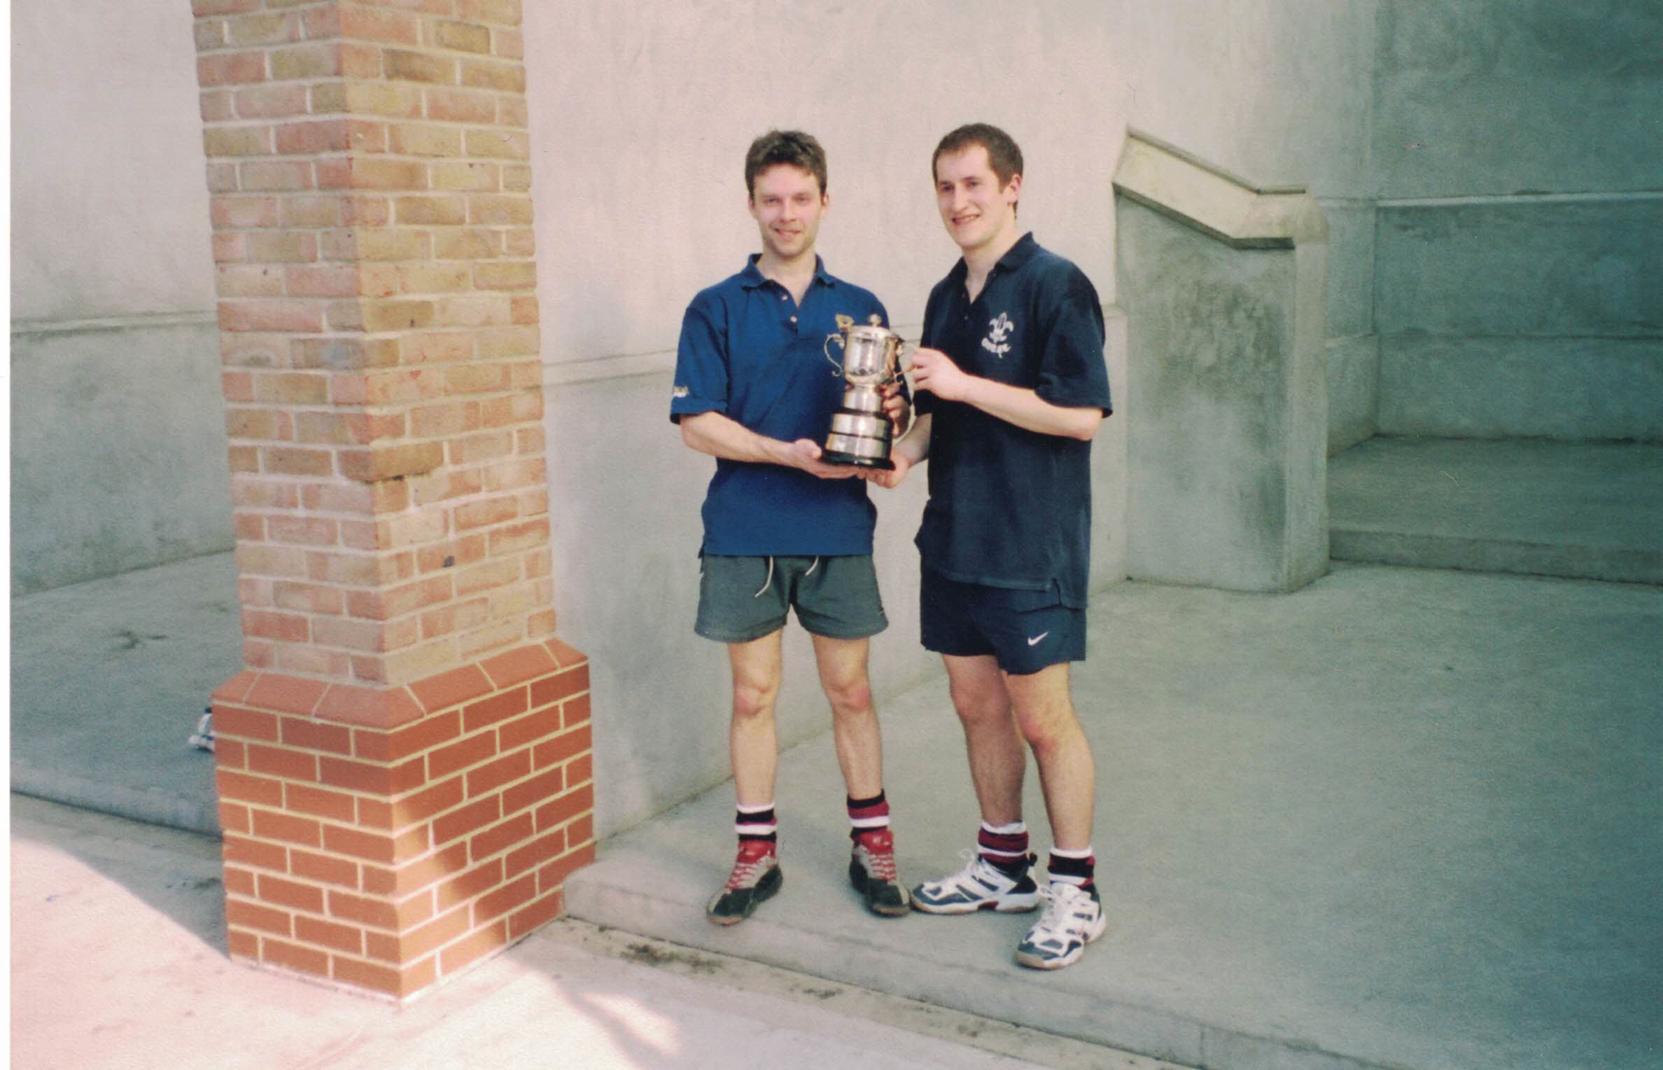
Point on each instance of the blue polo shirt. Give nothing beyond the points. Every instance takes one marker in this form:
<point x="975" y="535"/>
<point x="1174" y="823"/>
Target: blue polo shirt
<point x="1010" y="507"/>
<point x="750" y="352"/>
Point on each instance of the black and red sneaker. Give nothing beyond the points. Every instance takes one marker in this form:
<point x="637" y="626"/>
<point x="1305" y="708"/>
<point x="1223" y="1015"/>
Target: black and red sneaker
<point x="756" y="876"/>
<point x="872" y="872"/>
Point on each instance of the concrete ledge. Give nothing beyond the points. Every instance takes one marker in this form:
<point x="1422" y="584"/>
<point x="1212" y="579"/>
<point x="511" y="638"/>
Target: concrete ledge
<point x="1212" y="200"/>
<point x="1498" y="387"/>
<point x="1588" y="511"/>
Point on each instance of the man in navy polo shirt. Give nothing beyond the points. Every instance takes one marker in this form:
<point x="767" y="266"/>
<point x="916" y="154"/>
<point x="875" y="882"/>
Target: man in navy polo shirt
<point x="782" y="529"/>
<point x="1012" y="386"/>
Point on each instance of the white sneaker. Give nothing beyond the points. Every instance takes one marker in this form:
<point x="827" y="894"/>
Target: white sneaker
<point x="978" y="886"/>
<point x="1073" y="918"/>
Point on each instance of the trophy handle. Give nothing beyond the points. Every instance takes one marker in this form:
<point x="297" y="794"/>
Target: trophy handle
<point x="903" y="354"/>
<point x="825" y="347"/>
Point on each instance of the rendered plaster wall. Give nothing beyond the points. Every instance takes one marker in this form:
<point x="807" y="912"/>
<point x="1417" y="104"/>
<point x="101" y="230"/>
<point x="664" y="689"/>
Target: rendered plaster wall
<point x="641" y="114"/>
<point x="118" y="442"/>
<point x="1519" y="148"/>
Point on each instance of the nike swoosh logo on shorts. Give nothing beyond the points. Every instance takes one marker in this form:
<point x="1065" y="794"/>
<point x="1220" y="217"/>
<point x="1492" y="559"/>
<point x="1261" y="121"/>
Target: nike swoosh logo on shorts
<point x="1037" y="638"/>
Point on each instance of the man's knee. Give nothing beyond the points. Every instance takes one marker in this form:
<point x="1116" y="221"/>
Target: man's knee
<point x="849" y="696"/>
<point x="753" y="700"/>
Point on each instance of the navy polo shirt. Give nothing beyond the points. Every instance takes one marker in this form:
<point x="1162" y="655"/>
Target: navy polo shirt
<point x="750" y="352"/>
<point x="1010" y="507"/>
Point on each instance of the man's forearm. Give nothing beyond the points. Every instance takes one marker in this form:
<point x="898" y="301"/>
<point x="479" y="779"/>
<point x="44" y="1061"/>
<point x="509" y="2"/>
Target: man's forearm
<point x="1027" y="410"/>
<point x="914" y="446"/>
<point x="722" y="436"/>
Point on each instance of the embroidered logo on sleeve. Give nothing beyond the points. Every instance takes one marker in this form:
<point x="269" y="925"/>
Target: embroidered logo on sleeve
<point x="997" y="331"/>
<point x="679" y="392"/>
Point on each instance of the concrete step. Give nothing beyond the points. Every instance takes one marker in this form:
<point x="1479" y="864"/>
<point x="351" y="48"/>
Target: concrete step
<point x="1579" y="510"/>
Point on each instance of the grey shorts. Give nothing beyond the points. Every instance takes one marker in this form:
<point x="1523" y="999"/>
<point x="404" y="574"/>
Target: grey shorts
<point x="746" y="598"/>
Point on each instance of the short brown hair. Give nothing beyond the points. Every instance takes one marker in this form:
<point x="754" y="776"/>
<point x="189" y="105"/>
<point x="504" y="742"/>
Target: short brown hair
<point x="1003" y="155"/>
<point x="785" y="146"/>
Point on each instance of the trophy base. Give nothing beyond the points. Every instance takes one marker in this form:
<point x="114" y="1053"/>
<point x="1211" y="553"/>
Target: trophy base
<point x="837" y="457"/>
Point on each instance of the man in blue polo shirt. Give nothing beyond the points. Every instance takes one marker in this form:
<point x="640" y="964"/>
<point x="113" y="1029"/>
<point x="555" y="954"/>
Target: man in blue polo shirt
<point x="1012" y="386"/>
<point x="782" y="529"/>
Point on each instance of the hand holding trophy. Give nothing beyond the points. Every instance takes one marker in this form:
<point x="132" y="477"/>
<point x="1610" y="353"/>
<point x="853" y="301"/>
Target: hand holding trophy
<point x="860" y="429"/>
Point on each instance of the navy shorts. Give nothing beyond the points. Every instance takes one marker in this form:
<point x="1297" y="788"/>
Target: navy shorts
<point x="746" y="598"/>
<point x="1025" y="631"/>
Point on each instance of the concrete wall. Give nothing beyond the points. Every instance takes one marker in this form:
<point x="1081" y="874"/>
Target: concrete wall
<point x="118" y="443"/>
<point x="1519" y="151"/>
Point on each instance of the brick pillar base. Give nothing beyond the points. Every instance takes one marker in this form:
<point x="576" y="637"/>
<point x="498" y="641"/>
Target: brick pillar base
<point x="384" y="838"/>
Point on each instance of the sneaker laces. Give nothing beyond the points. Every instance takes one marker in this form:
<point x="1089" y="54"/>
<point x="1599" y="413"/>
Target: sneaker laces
<point x="749" y="867"/>
<point x="1060" y="902"/>
<point x="974" y="864"/>
<point x="880" y="856"/>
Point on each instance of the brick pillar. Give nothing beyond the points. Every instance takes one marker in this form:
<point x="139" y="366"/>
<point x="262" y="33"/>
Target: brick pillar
<point x="404" y="767"/>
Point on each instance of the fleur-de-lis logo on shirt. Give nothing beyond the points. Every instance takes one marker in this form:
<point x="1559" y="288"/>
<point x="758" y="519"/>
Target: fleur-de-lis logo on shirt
<point x="997" y="331"/>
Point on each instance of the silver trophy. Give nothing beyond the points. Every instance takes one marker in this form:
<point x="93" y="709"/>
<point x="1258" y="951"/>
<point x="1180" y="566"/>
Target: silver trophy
<point x="860" y="432"/>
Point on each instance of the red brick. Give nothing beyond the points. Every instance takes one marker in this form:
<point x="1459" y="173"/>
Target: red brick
<point x="371" y="707"/>
<point x="384" y="947"/>
<point x="538" y="726"/>
<point x="239" y="882"/>
<point x="330" y="934"/>
<point x="468" y="885"/>
<point x="475" y="947"/>
<point x="518" y="666"/>
<point x="375" y="779"/>
<point x="295" y="957"/>
<point x="253" y="916"/>
<point x="377" y="912"/>
<point x="566" y="745"/>
<point x="451" y="688"/>
<point x="314" y="736"/>
<point x="580" y="769"/>
<point x="372" y="847"/>
<point x="460" y="755"/>
<point x="236" y="721"/>
<point x="286" y="694"/>
<point x="411" y="739"/>
<point x="229" y="754"/>
<point x="290" y="894"/>
<point x="538" y="789"/>
<point x="426" y="803"/>
<point x="535" y="915"/>
<point x="235" y="688"/>
<point x="495" y="774"/>
<point x="434" y="934"/>
<point x="233" y="817"/>
<point x="331" y="804"/>
<point x="288" y="828"/>
<point x="249" y="788"/>
<point x="323" y="868"/>
<point x="384" y="979"/>
<point x="505" y="899"/>
<point x="554" y="688"/>
<point x="242" y="945"/>
<point x="535" y="853"/>
<point x="413" y="876"/>
<point x="566" y="807"/>
<point x="555" y="873"/>
<point x="575" y="711"/>
<point x="468" y="819"/>
<point x="295" y="765"/>
<point x="501" y="837"/>
<point x="496" y="708"/>
<point x="250" y="852"/>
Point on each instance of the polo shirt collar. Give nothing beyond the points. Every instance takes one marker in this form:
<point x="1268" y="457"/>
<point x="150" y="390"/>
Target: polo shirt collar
<point x="751" y="278"/>
<point x="1023" y="251"/>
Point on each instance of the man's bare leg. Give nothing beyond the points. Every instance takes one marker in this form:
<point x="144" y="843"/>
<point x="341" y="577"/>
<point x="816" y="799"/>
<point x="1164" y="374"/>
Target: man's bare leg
<point x="991" y="740"/>
<point x="753" y="743"/>
<point x="1044" y="714"/>
<point x="843" y="677"/>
